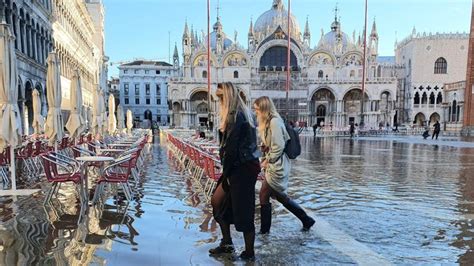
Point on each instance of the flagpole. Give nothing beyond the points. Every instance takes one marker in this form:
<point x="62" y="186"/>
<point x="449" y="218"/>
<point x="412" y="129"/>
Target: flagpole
<point x="288" y="63"/>
<point x="362" y="101"/>
<point x="209" y="116"/>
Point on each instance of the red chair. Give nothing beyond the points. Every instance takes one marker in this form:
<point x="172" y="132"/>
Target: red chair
<point x="118" y="172"/>
<point x="214" y="173"/>
<point x="60" y="171"/>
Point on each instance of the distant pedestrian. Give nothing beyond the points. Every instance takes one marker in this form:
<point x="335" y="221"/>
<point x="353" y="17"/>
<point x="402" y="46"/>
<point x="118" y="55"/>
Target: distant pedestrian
<point x="315" y="127"/>
<point x="276" y="164"/>
<point x="352" y="129"/>
<point x="330" y="125"/>
<point x="233" y="201"/>
<point x="437" y="129"/>
<point x="426" y="133"/>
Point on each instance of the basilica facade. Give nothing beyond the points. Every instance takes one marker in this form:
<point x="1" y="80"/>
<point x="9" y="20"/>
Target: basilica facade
<point x="325" y="85"/>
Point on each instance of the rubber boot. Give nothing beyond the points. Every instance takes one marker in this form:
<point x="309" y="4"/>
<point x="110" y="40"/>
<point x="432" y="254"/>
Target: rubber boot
<point x="294" y="208"/>
<point x="265" y="218"/>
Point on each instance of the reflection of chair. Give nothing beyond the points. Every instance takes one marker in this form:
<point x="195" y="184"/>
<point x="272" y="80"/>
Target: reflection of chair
<point x="60" y="222"/>
<point x="110" y="218"/>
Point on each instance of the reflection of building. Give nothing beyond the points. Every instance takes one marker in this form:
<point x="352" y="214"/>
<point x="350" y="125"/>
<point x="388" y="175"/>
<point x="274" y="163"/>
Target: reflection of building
<point x="325" y="80"/>
<point x="429" y="62"/>
<point x="453" y="106"/>
<point x="30" y="23"/>
<point x="144" y="89"/>
<point x="78" y="32"/>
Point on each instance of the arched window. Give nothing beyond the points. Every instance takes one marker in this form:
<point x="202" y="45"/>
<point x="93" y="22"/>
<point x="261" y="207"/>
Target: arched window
<point x="204" y="74"/>
<point x="236" y="74"/>
<point x="417" y="98"/>
<point x="441" y="66"/>
<point x="432" y="98"/>
<point x="439" y="98"/>
<point x="277" y="56"/>
<point x="424" y="98"/>
<point x="320" y="74"/>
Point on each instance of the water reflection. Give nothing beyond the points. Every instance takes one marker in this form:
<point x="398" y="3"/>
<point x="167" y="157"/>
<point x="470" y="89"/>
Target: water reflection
<point x="410" y="203"/>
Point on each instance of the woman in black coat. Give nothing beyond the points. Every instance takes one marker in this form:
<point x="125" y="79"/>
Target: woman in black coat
<point x="233" y="201"/>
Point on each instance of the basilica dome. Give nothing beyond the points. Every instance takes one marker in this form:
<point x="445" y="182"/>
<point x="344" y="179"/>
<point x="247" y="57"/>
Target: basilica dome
<point x="269" y="21"/>
<point x="218" y="30"/>
<point x="335" y="39"/>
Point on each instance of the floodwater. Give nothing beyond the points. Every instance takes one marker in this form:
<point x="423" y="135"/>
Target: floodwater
<point x="375" y="201"/>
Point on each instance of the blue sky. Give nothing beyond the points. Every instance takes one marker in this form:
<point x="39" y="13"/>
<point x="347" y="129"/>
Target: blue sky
<point x="140" y="28"/>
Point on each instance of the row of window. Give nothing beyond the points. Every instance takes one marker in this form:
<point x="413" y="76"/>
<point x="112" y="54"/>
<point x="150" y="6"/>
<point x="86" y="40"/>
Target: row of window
<point x="147" y="71"/>
<point x="424" y="98"/>
<point x="147" y="101"/>
<point x="204" y="74"/>
<point x="126" y="89"/>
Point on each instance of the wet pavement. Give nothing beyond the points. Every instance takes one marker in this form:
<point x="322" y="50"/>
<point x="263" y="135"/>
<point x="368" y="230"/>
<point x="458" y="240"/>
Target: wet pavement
<point x="380" y="201"/>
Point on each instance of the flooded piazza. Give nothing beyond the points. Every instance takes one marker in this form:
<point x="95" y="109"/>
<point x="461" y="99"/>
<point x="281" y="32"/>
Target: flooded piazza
<point x="379" y="201"/>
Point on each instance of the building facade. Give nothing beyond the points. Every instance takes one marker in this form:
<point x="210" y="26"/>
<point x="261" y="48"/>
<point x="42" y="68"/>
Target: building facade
<point x="453" y="106"/>
<point x="325" y="84"/>
<point x="429" y="61"/>
<point x="30" y="22"/>
<point x="144" y="89"/>
<point x="78" y="33"/>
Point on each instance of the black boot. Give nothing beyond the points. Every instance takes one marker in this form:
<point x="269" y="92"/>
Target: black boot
<point x="294" y="208"/>
<point x="265" y="218"/>
<point x="224" y="247"/>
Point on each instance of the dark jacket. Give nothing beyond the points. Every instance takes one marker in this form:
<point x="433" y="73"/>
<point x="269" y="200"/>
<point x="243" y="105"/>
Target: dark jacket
<point x="238" y="144"/>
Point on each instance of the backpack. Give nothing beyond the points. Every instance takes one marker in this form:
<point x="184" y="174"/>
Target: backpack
<point x="293" y="145"/>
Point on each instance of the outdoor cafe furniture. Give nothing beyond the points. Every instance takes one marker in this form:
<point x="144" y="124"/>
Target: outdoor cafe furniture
<point x="58" y="171"/>
<point x="92" y="160"/>
<point x="117" y="172"/>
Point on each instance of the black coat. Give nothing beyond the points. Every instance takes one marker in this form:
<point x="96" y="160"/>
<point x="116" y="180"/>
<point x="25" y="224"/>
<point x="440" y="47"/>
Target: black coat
<point x="238" y="144"/>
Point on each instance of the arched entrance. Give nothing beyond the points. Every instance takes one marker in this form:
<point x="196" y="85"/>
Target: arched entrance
<point x="323" y="104"/>
<point x="352" y="105"/>
<point x="420" y="120"/>
<point x="148" y="115"/>
<point x="434" y="117"/>
<point x="199" y="108"/>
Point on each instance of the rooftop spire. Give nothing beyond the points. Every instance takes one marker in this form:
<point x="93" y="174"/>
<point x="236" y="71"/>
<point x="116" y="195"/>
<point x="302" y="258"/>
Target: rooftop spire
<point x="186" y="30"/>
<point x="306" y="27"/>
<point x="175" y="54"/>
<point x="374" y="30"/>
<point x="251" y="27"/>
<point x="336" y="24"/>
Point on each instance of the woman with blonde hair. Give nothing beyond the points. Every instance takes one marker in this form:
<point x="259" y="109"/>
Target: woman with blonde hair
<point x="233" y="201"/>
<point x="277" y="165"/>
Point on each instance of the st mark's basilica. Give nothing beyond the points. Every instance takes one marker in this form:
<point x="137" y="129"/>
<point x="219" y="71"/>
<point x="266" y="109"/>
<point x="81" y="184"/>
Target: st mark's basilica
<point x="325" y="86"/>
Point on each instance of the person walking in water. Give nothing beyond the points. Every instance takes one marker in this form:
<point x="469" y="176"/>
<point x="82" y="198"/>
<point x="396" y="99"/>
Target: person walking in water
<point x="437" y="129"/>
<point x="277" y="165"/>
<point x="233" y="201"/>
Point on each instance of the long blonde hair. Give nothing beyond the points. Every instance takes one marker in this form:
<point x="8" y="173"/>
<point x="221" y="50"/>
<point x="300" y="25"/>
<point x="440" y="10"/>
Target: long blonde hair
<point x="267" y="112"/>
<point x="230" y="103"/>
